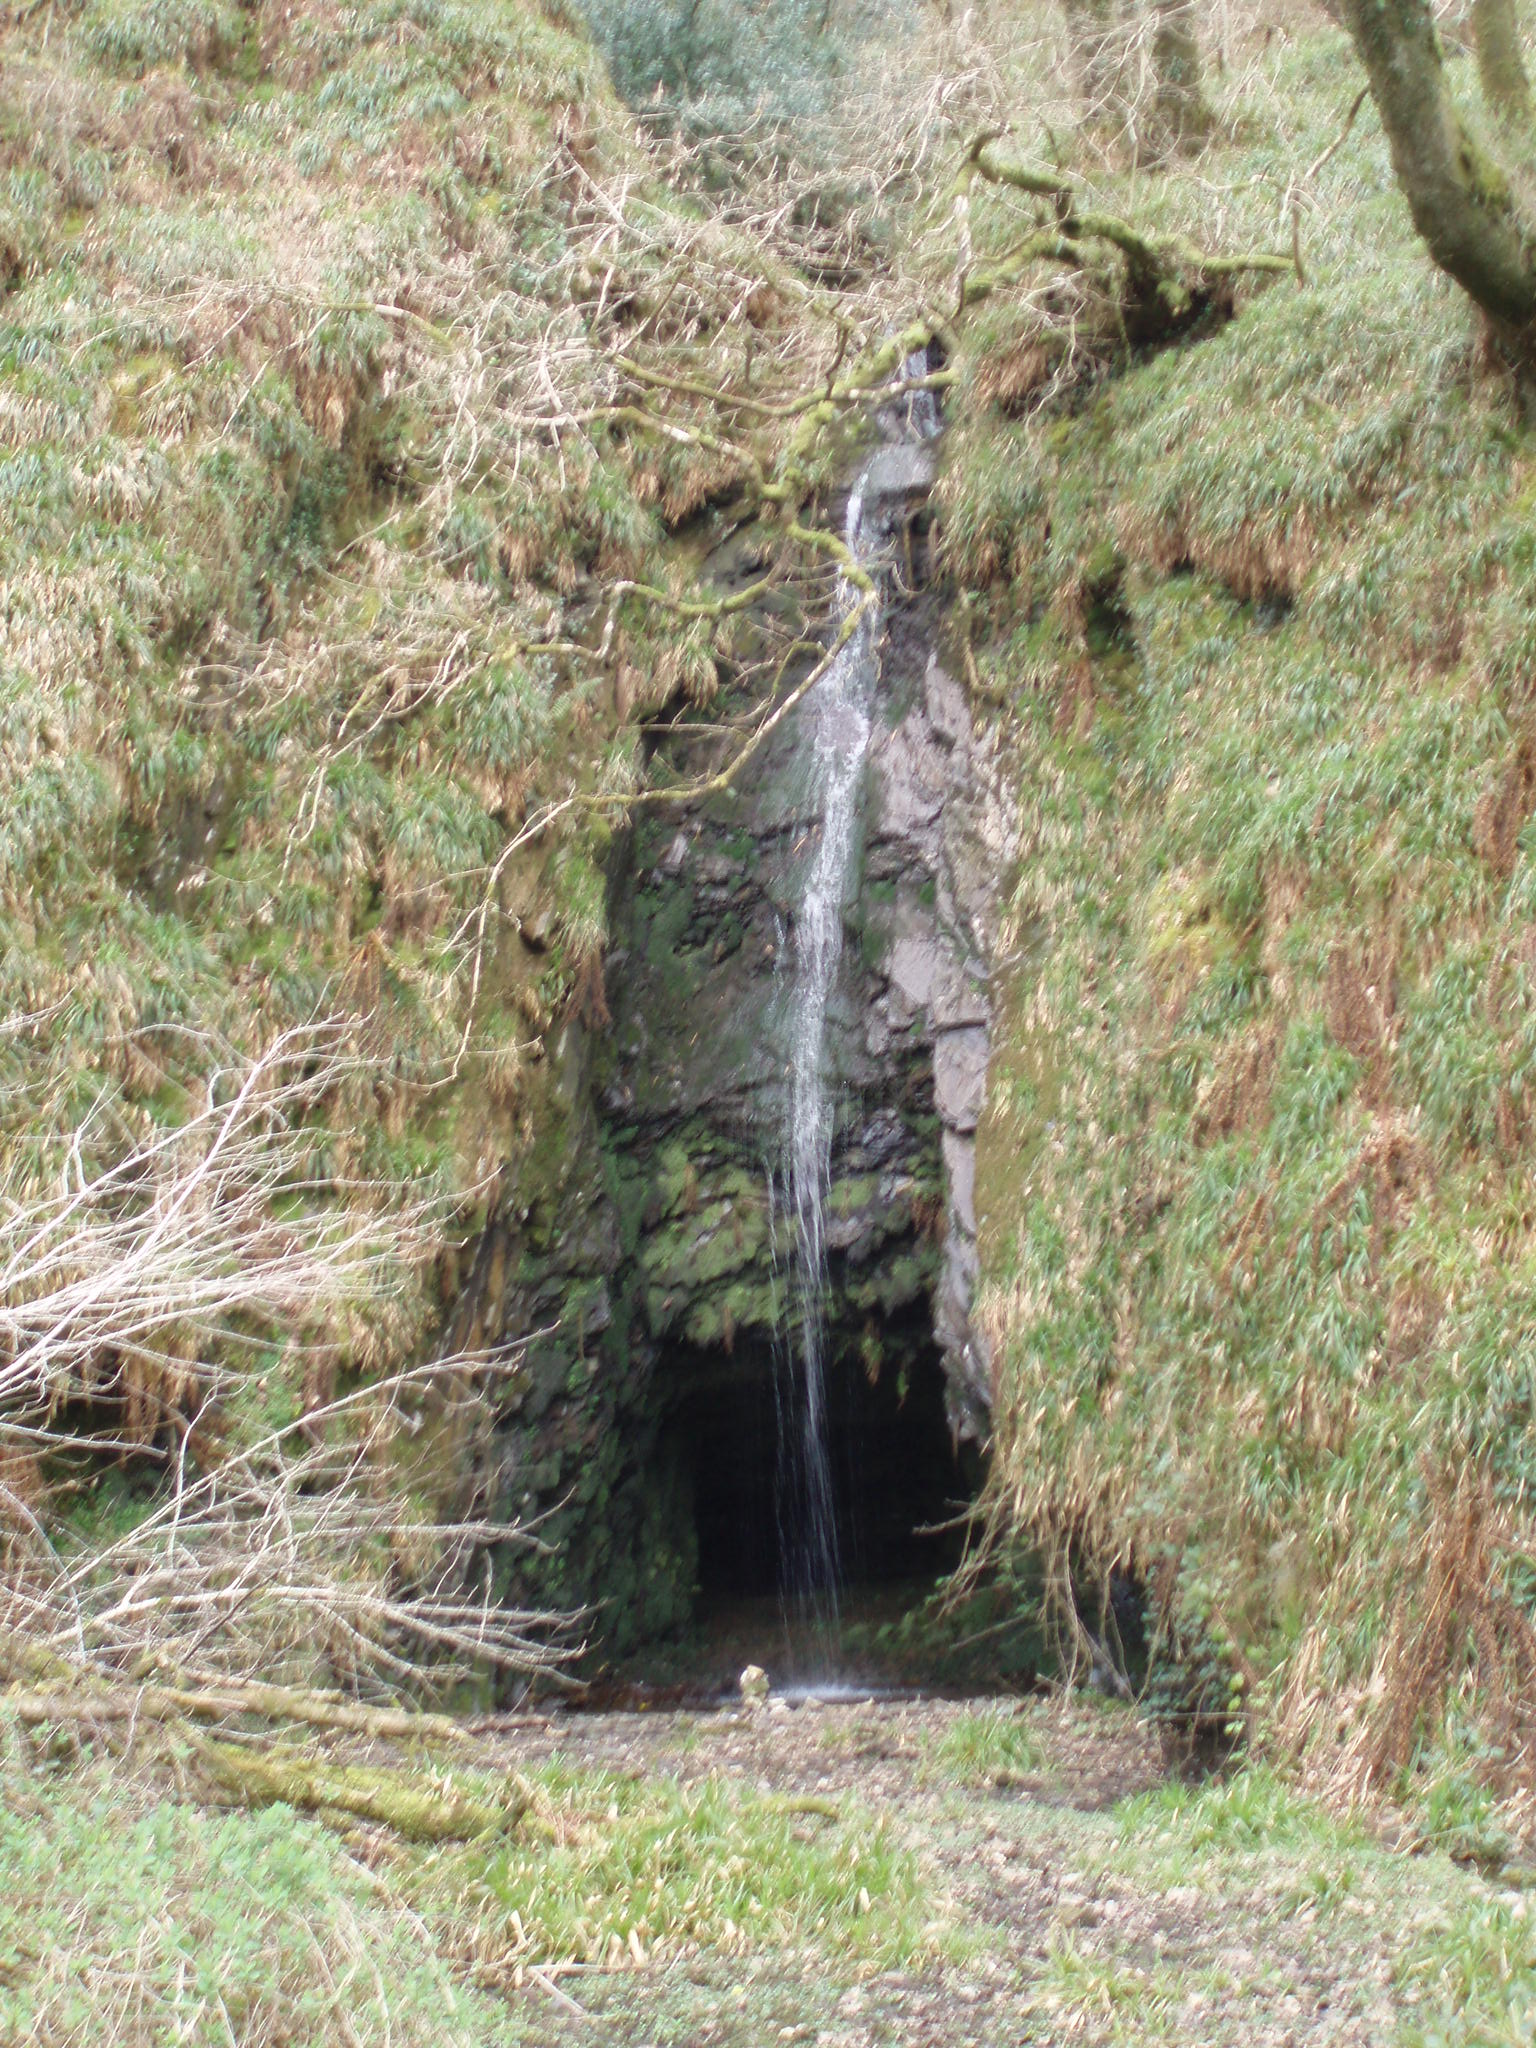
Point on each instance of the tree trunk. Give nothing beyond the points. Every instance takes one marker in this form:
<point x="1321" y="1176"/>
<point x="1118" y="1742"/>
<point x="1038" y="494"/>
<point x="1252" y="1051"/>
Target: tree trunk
<point x="1460" y="199"/>
<point x="1096" y="34"/>
<point x="1182" y="115"/>
<point x="1500" y="66"/>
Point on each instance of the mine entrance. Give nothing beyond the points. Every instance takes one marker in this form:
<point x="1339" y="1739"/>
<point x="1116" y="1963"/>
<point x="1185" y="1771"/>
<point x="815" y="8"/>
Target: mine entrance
<point x="898" y="1484"/>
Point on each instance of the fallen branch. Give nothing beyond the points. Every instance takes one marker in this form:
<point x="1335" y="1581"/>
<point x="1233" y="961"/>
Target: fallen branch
<point x="421" y="1812"/>
<point x="91" y="1702"/>
<point x="1158" y="262"/>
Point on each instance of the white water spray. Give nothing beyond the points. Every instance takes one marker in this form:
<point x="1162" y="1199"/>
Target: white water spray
<point x="836" y="722"/>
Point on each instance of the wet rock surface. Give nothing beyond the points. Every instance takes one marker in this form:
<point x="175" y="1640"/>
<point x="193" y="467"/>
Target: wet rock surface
<point x="646" y="1247"/>
<point x="932" y="936"/>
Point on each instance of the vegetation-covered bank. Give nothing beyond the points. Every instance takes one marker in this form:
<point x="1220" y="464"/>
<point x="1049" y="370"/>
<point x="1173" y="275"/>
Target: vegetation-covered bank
<point x="281" y="670"/>
<point x="1256" y="1170"/>
<point x="333" y="538"/>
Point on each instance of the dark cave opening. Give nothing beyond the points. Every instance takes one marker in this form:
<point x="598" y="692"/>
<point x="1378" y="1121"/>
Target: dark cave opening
<point x="898" y="1483"/>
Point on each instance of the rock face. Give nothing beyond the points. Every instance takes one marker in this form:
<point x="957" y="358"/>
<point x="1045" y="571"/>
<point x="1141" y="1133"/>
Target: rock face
<point x="644" y="1241"/>
<point x="928" y="840"/>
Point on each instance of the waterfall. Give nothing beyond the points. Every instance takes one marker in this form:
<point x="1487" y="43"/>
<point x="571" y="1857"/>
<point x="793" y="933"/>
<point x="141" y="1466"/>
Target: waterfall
<point x="835" y="727"/>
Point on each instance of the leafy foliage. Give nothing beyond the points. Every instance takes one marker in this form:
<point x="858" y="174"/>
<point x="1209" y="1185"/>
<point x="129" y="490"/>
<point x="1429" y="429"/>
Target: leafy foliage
<point x="718" y="68"/>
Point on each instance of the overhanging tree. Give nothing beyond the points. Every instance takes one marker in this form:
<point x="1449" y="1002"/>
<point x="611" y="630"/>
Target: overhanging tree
<point x="1463" y="199"/>
<point x="1500" y="62"/>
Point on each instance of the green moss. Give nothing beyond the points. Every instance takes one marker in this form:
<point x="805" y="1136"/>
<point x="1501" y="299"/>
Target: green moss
<point x="894" y="1282"/>
<point x="715" y="1321"/>
<point x="852" y="1192"/>
<point x="698" y="1247"/>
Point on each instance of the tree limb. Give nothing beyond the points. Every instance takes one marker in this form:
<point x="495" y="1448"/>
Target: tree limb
<point x="420" y="1811"/>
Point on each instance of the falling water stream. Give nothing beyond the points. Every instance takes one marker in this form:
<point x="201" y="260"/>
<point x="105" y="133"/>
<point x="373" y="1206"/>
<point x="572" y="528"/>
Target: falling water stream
<point x="835" y="726"/>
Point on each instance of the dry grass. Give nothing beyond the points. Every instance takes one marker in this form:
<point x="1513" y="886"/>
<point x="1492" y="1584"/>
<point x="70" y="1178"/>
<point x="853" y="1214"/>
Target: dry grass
<point x="1456" y="1640"/>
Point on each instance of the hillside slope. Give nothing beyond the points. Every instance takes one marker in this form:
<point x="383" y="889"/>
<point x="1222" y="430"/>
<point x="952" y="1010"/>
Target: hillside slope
<point x="278" y="566"/>
<point x="1257" y="1159"/>
<point x="313" y="481"/>
<point x="390" y="425"/>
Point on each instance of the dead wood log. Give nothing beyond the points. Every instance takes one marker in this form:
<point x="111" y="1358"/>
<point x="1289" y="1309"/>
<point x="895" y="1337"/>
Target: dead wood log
<point x="419" y="1809"/>
<point x="94" y="1701"/>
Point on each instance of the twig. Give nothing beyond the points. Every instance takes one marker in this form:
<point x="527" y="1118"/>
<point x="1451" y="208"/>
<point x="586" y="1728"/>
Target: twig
<point x="1343" y="135"/>
<point x="547" y="1984"/>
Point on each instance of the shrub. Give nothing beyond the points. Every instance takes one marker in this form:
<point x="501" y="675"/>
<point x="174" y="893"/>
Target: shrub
<point x="719" y="69"/>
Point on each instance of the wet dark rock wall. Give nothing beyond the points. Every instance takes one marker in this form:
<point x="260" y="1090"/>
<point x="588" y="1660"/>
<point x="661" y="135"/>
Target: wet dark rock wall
<point x="640" y="1242"/>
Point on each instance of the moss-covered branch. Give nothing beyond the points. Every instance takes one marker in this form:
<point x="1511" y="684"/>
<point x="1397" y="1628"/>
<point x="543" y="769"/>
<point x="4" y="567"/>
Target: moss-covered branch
<point x="1158" y="263"/>
<point x="229" y="1700"/>
<point x="698" y="607"/>
<point x="410" y="1804"/>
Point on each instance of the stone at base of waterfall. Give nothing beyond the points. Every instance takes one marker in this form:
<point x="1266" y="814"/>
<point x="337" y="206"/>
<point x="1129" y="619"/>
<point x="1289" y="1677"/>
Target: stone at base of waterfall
<point x="753" y="1684"/>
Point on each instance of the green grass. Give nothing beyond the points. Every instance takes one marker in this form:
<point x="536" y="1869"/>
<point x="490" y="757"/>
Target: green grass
<point x="1472" y="1972"/>
<point x="1186" y="1912"/>
<point x="991" y="1745"/>
<point x="144" y="1923"/>
<point x="173" y="1924"/>
<point x="620" y="1868"/>
<point x="1114" y="2000"/>
<point x="274" y="571"/>
<point x="1269" y="1271"/>
<point x="1254" y="1812"/>
<point x="1462" y="1953"/>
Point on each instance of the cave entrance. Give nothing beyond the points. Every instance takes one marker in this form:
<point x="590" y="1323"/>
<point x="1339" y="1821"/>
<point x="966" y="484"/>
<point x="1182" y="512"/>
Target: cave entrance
<point x="899" y="1485"/>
